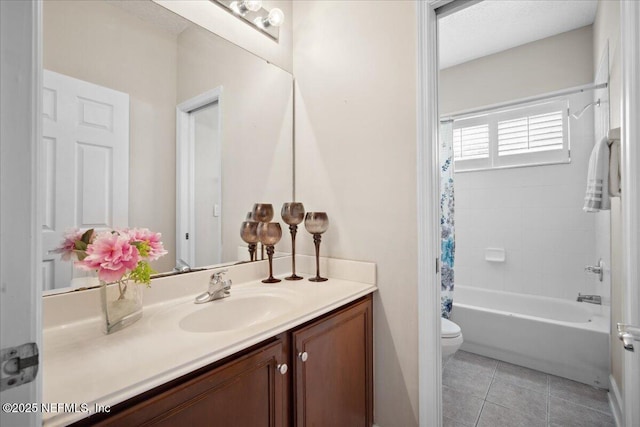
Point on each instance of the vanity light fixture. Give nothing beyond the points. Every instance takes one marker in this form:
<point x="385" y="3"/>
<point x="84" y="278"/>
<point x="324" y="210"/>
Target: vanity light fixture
<point x="274" y="19"/>
<point x="252" y="13"/>
<point x="243" y="7"/>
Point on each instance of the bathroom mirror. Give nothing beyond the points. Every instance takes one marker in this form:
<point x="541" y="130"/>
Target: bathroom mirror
<point x="191" y="107"/>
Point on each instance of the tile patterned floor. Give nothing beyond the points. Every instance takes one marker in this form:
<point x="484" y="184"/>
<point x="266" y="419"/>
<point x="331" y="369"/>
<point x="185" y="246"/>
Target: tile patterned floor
<point x="481" y="392"/>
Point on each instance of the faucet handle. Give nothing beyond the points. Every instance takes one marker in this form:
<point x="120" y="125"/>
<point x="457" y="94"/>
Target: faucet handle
<point x="217" y="275"/>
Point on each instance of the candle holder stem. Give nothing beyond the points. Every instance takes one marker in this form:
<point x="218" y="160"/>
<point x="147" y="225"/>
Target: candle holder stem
<point x="316" y="241"/>
<point x="294" y="230"/>
<point x="270" y="279"/>
<point x="252" y="251"/>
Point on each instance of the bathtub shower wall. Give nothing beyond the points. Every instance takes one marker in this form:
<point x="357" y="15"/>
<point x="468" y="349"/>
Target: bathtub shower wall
<point x="535" y="214"/>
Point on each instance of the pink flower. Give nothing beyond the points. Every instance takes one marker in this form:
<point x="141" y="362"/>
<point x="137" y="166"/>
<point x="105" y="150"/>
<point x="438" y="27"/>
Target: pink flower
<point x="112" y="255"/>
<point x="156" y="249"/>
<point x="68" y="246"/>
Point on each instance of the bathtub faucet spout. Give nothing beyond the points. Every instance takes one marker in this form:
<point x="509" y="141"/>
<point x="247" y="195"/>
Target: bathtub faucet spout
<point x="591" y="299"/>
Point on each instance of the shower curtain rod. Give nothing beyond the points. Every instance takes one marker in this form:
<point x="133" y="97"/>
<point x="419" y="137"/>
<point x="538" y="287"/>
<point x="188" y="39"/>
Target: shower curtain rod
<point x="556" y="94"/>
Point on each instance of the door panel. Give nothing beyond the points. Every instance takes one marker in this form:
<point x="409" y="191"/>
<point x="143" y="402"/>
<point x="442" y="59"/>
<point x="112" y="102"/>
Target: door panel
<point x="335" y="371"/>
<point x="85" y="158"/>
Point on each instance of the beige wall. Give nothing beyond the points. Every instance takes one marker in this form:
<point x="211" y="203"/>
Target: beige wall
<point x="102" y="44"/>
<point x="606" y="31"/>
<point x="546" y="65"/>
<point x="356" y="159"/>
<point x="256" y="126"/>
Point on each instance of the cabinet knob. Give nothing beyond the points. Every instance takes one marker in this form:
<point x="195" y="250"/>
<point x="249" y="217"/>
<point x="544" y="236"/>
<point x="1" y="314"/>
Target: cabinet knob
<point x="303" y="356"/>
<point x="282" y="368"/>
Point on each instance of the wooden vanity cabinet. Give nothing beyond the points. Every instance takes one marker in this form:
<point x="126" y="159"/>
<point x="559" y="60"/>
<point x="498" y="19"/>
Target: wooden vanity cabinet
<point x="247" y="391"/>
<point x="333" y="369"/>
<point x="328" y="382"/>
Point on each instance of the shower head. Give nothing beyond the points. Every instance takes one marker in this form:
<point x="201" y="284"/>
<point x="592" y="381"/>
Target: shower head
<point x="586" y="107"/>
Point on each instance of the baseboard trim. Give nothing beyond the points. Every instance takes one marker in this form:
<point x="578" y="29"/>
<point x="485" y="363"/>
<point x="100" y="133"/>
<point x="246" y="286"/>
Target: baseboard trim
<point x="615" y="401"/>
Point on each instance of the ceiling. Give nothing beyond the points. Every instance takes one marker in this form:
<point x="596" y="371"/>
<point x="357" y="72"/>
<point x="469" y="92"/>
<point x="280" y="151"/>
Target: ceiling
<point x="492" y="26"/>
<point x="150" y="12"/>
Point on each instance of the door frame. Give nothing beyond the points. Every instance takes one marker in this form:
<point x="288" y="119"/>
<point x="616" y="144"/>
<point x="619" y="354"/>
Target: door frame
<point x="185" y="163"/>
<point x="429" y="352"/>
<point x="630" y="164"/>
<point x="21" y="207"/>
<point x="428" y="187"/>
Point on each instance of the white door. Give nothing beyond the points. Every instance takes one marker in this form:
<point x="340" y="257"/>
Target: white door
<point x="20" y="282"/>
<point x="85" y="158"/>
<point x="207" y="201"/>
<point x="199" y="179"/>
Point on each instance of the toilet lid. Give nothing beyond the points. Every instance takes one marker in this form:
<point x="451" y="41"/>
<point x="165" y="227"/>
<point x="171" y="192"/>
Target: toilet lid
<point x="449" y="329"/>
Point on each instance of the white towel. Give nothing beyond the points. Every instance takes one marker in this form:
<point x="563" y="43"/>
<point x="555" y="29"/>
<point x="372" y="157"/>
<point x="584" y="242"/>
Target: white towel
<point x="597" y="197"/>
<point x="614" y="169"/>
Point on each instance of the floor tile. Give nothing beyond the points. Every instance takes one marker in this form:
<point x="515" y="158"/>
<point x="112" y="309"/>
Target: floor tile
<point x="563" y="413"/>
<point x="579" y="393"/>
<point x="466" y="380"/>
<point x="524" y="377"/>
<point x="470" y="361"/>
<point x="448" y="422"/>
<point x="518" y="398"/>
<point x="460" y="407"/>
<point x="493" y="415"/>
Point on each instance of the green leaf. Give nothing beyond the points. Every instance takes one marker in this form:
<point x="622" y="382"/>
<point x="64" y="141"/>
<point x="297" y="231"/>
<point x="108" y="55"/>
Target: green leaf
<point x="142" y="273"/>
<point x="81" y="255"/>
<point x="80" y="245"/>
<point x="86" y="237"/>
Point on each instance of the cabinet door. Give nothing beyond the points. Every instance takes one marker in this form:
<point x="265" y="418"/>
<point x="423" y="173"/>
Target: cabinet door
<point x="249" y="391"/>
<point x="334" y="369"/>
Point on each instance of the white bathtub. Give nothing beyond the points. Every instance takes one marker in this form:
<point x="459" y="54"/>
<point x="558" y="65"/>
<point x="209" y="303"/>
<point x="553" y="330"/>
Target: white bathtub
<point x="560" y="337"/>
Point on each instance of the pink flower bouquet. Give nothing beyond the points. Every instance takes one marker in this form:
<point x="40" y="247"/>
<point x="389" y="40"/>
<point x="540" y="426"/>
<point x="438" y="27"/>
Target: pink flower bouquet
<point x="117" y="255"/>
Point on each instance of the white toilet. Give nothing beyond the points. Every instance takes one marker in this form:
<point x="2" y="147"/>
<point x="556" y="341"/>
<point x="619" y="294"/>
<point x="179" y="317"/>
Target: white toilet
<point x="451" y="339"/>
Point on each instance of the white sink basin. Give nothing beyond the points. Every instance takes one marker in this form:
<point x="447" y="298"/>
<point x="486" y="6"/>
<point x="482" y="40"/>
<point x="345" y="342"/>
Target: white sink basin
<point x="244" y="308"/>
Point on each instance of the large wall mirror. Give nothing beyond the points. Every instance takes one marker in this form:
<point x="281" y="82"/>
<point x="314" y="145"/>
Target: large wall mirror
<point x="152" y="121"/>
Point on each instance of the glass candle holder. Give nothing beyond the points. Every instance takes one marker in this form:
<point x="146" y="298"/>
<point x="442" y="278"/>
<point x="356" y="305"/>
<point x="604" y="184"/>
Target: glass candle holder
<point x="293" y="214"/>
<point x="249" y="234"/>
<point x="317" y="223"/>
<point x="270" y="234"/>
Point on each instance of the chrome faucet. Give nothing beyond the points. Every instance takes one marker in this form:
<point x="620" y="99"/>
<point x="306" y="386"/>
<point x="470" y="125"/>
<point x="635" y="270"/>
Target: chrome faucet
<point x="181" y="266"/>
<point x="218" y="288"/>
<point x="597" y="269"/>
<point x="591" y="299"/>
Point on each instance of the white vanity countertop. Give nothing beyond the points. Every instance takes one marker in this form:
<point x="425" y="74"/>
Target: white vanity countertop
<point x="85" y="367"/>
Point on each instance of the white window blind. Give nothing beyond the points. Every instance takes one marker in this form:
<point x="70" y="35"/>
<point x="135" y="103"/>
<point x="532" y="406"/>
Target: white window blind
<point x="528" y="134"/>
<point x="471" y="142"/>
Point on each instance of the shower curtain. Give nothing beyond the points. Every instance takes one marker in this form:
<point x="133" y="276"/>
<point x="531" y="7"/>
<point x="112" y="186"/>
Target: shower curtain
<point x="447" y="243"/>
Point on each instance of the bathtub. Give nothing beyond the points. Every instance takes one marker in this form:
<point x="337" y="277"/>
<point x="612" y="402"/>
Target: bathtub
<point x="560" y="337"/>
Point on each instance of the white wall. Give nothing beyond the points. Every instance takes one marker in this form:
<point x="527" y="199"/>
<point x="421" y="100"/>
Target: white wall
<point x="546" y="65"/>
<point x="535" y="214"/>
<point x="355" y="65"/>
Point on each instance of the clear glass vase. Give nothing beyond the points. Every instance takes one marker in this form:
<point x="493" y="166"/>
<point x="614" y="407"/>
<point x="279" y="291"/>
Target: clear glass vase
<point x="121" y="304"/>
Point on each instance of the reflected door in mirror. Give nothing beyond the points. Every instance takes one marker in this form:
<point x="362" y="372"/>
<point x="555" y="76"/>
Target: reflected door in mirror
<point x="85" y="160"/>
<point x="200" y="180"/>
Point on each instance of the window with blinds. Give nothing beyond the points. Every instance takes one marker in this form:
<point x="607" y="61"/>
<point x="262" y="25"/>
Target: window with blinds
<point x="541" y="132"/>
<point x="532" y="134"/>
<point x="471" y="142"/>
